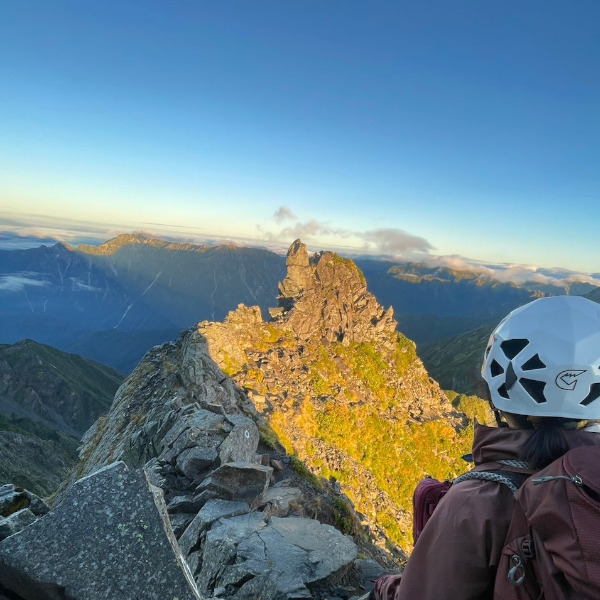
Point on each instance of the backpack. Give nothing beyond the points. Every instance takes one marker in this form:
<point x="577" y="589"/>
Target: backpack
<point x="426" y="497"/>
<point x="429" y="491"/>
<point x="552" y="548"/>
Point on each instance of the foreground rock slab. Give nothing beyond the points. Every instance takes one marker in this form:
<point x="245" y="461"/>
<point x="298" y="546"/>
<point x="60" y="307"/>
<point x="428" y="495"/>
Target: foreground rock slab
<point x="279" y="560"/>
<point x="109" y="538"/>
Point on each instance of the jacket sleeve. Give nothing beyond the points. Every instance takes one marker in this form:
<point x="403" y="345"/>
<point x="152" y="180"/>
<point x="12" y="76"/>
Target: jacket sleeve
<point x="457" y="554"/>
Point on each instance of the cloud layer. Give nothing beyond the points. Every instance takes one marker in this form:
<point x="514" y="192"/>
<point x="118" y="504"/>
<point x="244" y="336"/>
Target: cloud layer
<point x="509" y="273"/>
<point x="17" y="283"/>
<point x="377" y="241"/>
<point x="396" y="241"/>
<point x="26" y="231"/>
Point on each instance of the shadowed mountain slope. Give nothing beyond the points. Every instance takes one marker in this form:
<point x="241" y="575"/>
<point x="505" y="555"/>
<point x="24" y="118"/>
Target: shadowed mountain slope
<point x="48" y="399"/>
<point x="84" y="299"/>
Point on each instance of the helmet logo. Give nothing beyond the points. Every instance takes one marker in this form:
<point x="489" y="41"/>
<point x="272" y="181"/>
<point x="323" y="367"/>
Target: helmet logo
<point x="567" y="380"/>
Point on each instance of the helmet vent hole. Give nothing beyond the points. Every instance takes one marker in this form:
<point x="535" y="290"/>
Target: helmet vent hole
<point x="503" y="392"/>
<point x="512" y="347"/>
<point x="534" y="388"/>
<point x="496" y="368"/>
<point x="510" y="377"/>
<point x="593" y="395"/>
<point x="533" y="363"/>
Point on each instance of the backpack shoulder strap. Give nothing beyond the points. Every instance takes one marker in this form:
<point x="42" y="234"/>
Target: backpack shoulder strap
<point x="510" y="479"/>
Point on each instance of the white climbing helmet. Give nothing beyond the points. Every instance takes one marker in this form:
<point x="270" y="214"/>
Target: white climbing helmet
<point x="543" y="359"/>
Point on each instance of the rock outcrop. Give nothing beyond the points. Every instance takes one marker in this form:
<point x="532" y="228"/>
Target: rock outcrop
<point x="109" y="538"/>
<point x="18" y="508"/>
<point x="343" y="390"/>
<point x="326" y="297"/>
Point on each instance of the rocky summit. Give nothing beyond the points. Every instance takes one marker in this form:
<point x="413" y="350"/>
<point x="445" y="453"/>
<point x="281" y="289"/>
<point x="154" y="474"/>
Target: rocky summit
<point x="247" y="459"/>
<point x="342" y="389"/>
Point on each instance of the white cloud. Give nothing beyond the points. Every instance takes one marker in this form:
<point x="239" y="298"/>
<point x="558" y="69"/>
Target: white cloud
<point x="16" y="283"/>
<point x="395" y="241"/>
<point x="309" y="229"/>
<point x="284" y="213"/>
<point x="510" y="273"/>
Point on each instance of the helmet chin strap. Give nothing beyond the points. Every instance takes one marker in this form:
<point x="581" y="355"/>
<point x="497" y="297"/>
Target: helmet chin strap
<point x="512" y="420"/>
<point x="498" y="416"/>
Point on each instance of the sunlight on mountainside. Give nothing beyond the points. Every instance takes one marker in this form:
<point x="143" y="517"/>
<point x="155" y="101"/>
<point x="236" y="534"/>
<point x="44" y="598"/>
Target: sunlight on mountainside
<point x="344" y="392"/>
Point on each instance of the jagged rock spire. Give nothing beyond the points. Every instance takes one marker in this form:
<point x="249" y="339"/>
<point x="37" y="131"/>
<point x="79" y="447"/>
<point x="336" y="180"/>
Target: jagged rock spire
<point x="326" y="297"/>
<point x="300" y="276"/>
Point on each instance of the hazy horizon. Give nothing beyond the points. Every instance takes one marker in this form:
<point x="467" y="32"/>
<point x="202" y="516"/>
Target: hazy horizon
<point x="24" y="237"/>
<point x="462" y="130"/>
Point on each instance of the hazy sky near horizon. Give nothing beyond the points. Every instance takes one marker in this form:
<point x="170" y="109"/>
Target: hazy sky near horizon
<point x="450" y="128"/>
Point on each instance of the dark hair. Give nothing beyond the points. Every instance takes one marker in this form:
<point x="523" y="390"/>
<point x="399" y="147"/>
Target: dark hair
<point x="546" y="444"/>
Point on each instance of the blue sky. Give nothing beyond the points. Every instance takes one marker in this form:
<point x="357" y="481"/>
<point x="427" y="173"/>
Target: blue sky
<point x="450" y="128"/>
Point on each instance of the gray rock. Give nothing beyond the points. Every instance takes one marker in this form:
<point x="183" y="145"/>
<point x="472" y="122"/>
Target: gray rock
<point x="109" y="538"/>
<point x="220" y="547"/>
<point x="370" y="571"/>
<point x="203" y="497"/>
<point x="16" y="522"/>
<point x="180" y="522"/>
<point x="154" y="473"/>
<point x="242" y="442"/>
<point x="201" y="430"/>
<point x="239" y="481"/>
<point x="185" y="504"/>
<point x="279" y="560"/>
<point x="13" y="499"/>
<point x="210" y="512"/>
<point x="193" y="461"/>
<point x="276" y="500"/>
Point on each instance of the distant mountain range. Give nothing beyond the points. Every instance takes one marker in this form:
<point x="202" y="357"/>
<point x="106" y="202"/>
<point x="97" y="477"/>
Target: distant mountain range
<point x="431" y="304"/>
<point x="113" y="302"/>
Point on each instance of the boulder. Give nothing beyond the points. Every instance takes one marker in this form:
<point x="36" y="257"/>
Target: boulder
<point x="241" y="443"/>
<point x="279" y="560"/>
<point x="18" y="509"/>
<point x="13" y="499"/>
<point x="276" y="500"/>
<point x="109" y="538"/>
<point x="239" y="481"/>
<point x="202" y="431"/>
<point x="15" y="522"/>
<point x="212" y="511"/>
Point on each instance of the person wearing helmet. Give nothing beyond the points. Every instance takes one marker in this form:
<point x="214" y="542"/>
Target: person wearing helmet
<point x="542" y="370"/>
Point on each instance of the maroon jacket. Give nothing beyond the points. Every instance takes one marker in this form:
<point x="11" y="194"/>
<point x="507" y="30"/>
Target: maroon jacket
<point x="458" y="552"/>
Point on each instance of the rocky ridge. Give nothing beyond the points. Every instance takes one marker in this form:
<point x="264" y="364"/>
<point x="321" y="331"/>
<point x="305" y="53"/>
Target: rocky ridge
<point x="343" y="390"/>
<point x="240" y="521"/>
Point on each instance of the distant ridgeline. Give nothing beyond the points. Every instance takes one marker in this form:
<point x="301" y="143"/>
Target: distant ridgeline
<point x="113" y="302"/>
